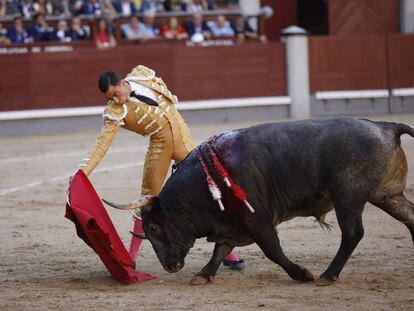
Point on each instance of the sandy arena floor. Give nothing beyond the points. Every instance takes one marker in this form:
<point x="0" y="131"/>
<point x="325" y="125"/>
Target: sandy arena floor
<point x="44" y="265"/>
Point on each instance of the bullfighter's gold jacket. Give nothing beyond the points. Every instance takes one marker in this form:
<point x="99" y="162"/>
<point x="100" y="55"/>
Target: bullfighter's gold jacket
<point x="139" y="117"/>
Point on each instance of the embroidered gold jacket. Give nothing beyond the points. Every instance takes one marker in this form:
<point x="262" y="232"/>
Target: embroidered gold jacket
<point x="138" y="117"/>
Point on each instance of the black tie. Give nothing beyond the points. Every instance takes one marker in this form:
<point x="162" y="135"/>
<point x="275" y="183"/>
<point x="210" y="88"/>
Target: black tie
<point x="144" y="99"/>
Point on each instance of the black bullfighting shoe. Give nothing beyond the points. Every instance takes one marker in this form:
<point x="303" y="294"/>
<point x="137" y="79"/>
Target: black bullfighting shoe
<point x="234" y="265"/>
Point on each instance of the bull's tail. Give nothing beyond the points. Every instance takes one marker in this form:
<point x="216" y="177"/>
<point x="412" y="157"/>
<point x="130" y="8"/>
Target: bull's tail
<point x="402" y="128"/>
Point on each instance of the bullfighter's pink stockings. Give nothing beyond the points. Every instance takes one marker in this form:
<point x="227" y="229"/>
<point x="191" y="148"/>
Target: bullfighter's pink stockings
<point x="135" y="242"/>
<point x="232" y="256"/>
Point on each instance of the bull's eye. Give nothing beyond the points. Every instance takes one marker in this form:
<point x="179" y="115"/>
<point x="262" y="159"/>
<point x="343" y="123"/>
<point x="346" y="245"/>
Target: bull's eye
<point x="153" y="227"/>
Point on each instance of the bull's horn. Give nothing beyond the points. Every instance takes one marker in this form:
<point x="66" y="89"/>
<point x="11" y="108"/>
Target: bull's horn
<point x="142" y="236"/>
<point x="141" y="202"/>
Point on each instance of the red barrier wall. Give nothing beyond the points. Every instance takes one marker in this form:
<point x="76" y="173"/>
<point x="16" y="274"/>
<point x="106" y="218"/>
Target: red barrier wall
<point x="347" y="63"/>
<point x="361" y="62"/>
<point x="69" y="79"/>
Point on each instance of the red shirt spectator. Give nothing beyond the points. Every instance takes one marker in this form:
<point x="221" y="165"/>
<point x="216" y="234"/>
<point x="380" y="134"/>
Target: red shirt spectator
<point x="174" y="30"/>
<point x="104" y="39"/>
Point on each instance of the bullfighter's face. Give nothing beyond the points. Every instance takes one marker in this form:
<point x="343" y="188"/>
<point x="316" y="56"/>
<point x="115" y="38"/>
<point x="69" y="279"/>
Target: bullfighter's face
<point x="119" y="93"/>
<point x="170" y="244"/>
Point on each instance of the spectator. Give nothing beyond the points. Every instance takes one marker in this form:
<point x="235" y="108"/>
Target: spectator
<point x="91" y="7"/>
<point x="43" y="7"/>
<point x="17" y="34"/>
<point x="3" y="35"/>
<point x="107" y="9"/>
<point x="75" y="7"/>
<point x="174" y="5"/>
<point x="60" y="7"/>
<point x="61" y="33"/>
<point x="131" y="31"/>
<point x="124" y="7"/>
<point x="173" y="30"/>
<point x="224" y="4"/>
<point x="76" y="31"/>
<point x="40" y="31"/>
<point x="9" y="7"/>
<point x="148" y="29"/>
<point x="196" y="6"/>
<point x="198" y="26"/>
<point x="212" y="5"/>
<point x="231" y="4"/>
<point x="104" y="38"/>
<point x="26" y="8"/>
<point x="243" y="30"/>
<point x="152" y="6"/>
<point x="221" y="27"/>
<point x="137" y="4"/>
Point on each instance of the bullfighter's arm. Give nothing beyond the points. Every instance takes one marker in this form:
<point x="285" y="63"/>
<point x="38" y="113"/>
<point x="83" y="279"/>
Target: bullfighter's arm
<point x="99" y="147"/>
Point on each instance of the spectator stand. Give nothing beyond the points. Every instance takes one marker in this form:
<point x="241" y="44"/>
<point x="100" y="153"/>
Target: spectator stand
<point x="90" y="22"/>
<point x="162" y="18"/>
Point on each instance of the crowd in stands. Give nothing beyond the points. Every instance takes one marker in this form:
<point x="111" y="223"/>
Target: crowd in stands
<point x="67" y="8"/>
<point x="69" y="25"/>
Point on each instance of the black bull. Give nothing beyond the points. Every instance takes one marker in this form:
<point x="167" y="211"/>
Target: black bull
<point x="304" y="168"/>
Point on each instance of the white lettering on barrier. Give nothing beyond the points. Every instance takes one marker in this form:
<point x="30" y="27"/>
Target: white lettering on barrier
<point x="58" y="48"/>
<point x="15" y="50"/>
<point x="208" y="43"/>
<point x="36" y="49"/>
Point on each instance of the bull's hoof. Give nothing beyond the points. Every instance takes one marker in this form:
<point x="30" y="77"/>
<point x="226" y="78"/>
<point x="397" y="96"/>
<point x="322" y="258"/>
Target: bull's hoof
<point x="323" y="281"/>
<point x="200" y="280"/>
<point x="307" y="276"/>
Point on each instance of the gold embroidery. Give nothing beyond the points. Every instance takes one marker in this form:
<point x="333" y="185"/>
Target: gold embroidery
<point x="116" y="113"/>
<point x="142" y="118"/>
<point x="99" y="147"/>
<point x="142" y="72"/>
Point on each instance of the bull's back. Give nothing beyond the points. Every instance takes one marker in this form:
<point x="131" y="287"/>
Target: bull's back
<point x="296" y="160"/>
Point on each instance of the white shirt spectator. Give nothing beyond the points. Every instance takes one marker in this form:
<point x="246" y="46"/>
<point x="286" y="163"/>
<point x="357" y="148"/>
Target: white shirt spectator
<point x="221" y="27"/>
<point x="126" y="8"/>
<point x="148" y="31"/>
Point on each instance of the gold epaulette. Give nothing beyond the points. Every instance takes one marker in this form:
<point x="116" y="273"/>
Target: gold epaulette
<point x="146" y="77"/>
<point x="142" y="73"/>
<point x="115" y="113"/>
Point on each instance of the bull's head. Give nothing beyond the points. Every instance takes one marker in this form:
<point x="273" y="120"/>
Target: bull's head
<point x="169" y="239"/>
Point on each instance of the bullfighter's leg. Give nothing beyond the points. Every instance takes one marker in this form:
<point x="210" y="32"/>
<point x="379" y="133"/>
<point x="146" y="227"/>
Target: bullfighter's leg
<point x="209" y="271"/>
<point x="400" y="208"/>
<point x="268" y="240"/>
<point x="157" y="164"/>
<point x="349" y="215"/>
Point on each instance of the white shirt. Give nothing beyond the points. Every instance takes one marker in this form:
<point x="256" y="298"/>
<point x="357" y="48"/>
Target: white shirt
<point x="126" y="8"/>
<point x="142" y="90"/>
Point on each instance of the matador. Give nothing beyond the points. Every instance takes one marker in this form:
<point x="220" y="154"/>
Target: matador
<point x="142" y="103"/>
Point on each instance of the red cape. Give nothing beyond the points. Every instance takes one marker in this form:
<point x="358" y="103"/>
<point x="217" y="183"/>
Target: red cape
<point x="94" y="226"/>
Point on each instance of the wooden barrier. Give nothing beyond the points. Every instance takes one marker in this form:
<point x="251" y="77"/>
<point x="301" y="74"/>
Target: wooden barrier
<point x="363" y="17"/>
<point x="69" y="79"/>
<point x="361" y="62"/>
<point x="401" y="60"/>
<point x="347" y="63"/>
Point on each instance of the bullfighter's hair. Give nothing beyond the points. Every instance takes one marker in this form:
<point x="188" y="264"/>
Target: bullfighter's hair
<point x="106" y="79"/>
